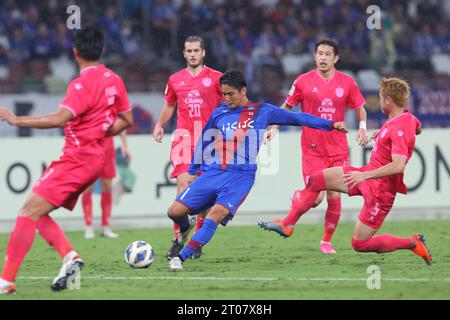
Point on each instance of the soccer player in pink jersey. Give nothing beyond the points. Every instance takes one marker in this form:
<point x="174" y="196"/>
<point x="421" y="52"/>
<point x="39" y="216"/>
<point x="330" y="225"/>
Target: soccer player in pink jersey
<point x="378" y="182"/>
<point x="106" y="176"/>
<point x="96" y="105"/>
<point x="326" y="92"/>
<point x="196" y="92"/>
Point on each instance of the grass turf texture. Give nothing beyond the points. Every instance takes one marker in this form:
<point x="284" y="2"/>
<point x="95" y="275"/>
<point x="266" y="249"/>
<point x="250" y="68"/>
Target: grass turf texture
<point x="245" y="262"/>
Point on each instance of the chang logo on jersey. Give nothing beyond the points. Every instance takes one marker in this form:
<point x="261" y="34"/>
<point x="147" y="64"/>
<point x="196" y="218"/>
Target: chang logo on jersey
<point x="193" y="97"/>
<point x="327" y="106"/>
<point x="249" y="123"/>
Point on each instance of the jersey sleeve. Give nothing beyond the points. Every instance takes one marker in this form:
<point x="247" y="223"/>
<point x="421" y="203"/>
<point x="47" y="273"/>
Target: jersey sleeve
<point x="283" y="117"/>
<point x="355" y="98"/>
<point x="295" y="94"/>
<point x="123" y="101"/>
<point x="169" y="94"/>
<point x="76" y="98"/>
<point x="399" y="141"/>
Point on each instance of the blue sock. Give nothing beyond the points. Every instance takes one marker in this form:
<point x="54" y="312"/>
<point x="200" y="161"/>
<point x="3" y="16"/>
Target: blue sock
<point x="183" y="222"/>
<point x="199" y="239"/>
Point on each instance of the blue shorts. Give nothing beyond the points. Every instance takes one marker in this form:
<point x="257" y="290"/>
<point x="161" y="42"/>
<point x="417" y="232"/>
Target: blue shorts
<point x="226" y="188"/>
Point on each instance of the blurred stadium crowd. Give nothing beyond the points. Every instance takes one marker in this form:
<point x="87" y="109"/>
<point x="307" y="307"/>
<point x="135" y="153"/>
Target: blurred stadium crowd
<point x="270" y="40"/>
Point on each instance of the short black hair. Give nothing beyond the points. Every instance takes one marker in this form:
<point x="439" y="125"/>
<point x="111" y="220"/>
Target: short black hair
<point x="234" y="79"/>
<point x="329" y="42"/>
<point x="89" y="42"/>
<point x="195" y="38"/>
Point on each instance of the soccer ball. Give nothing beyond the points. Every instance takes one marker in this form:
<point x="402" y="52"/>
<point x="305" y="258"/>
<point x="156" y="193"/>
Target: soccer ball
<point x="139" y="254"/>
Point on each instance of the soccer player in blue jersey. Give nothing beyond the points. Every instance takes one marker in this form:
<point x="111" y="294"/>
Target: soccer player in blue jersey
<point x="226" y="157"/>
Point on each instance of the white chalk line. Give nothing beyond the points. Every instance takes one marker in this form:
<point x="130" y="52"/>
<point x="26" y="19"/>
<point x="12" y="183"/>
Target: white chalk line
<point x="253" y="279"/>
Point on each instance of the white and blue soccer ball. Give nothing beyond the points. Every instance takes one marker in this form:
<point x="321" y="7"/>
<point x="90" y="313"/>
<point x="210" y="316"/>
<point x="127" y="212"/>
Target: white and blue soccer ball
<point x="139" y="254"/>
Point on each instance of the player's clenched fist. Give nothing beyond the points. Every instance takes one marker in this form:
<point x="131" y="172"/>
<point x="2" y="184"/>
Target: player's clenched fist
<point x="340" y="126"/>
<point x="7" y="115"/>
<point x="158" y="133"/>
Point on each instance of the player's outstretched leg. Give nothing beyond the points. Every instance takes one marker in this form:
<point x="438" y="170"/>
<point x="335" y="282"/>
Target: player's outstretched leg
<point x="277" y="226"/>
<point x="302" y="201"/>
<point x="421" y="248"/>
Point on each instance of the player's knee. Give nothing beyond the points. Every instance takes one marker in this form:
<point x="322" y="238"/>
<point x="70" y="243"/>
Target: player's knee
<point x="175" y="210"/>
<point x="317" y="181"/>
<point x="359" y="245"/>
<point x="28" y="212"/>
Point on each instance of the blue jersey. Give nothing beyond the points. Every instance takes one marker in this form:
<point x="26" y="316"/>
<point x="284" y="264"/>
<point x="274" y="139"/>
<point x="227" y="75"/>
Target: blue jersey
<point x="232" y="136"/>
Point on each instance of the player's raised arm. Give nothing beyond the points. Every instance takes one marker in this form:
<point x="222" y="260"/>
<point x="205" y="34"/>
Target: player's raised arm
<point x="51" y="120"/>
<point x="274" y="128"/>
<point x="283" y="117"/>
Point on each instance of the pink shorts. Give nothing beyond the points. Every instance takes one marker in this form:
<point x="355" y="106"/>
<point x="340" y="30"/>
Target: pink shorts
<point x="109" y="169"/>
<point x="312" y="164"/>
<point x="378" y="199"/>
<point x="65" y="179"/>
<point x="181" y="157"/>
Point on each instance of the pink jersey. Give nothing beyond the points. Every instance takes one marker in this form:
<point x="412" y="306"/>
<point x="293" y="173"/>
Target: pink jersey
<point x="396" y="136"/>
<point x="196" y="96"/>
<point x="327" y="99"/>
<point x="95" y="98"/>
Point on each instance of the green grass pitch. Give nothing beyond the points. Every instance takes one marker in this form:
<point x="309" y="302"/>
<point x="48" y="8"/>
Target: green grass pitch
<point x="245" y="262"/>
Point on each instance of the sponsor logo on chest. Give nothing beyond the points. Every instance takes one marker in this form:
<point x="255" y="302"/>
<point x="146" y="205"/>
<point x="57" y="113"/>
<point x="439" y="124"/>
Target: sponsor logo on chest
<point x="193" y="96"/>
<point x="327" y="106"/>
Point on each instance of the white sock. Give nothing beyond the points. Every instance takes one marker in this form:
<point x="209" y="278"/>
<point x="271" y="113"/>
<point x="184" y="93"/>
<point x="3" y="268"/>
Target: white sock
<point x="4" y="283"/>
<point x="72" y="254"/>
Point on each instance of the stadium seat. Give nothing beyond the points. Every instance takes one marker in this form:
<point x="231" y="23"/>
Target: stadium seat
<point x="350" y="73"/>
<point x="369" y="79"/>
<point x="55" y="84"/>
<point x="294" y="64"/>
<point x="63" y="67"/>
<point x="4" y="72"/>
<point x="441" y="63"/>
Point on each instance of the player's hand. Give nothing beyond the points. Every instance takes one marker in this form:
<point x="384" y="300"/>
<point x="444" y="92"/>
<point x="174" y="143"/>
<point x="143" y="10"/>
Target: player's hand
<point x="362" y="138"/>
<point x="126" y="153"/>
<point x="158" y="133"/>
<point x="8" y="116"/>
<point x="269" y="134"/>
<point x="340" y="126"/>
<point x="353" y="178"/>
<point x="374" y="135"/>
<point x="191" y="178"/>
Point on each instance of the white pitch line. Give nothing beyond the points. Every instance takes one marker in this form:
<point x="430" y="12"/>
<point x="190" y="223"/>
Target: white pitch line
<point x="245" y="279"/>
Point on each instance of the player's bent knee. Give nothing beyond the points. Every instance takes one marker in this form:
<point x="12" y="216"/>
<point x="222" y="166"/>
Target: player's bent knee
<point x="176" y="210"/>
<point x="359" y="245"/>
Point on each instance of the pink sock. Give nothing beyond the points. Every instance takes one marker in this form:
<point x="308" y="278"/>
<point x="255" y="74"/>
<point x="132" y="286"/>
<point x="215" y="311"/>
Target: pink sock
<point x="106" y="203"/>
<point x="382" y="243"/>
<point x="54" y="235"/>
<point x="331" y="218"/>
<point x="19" y="244"/>
<point x="176" y="230"/>
<point x="303" y="200"/>
<point x="199" y="223"/>
<point x="86" y="201"/>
